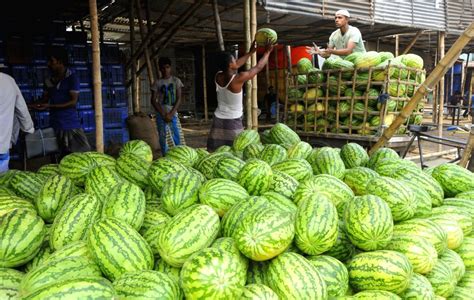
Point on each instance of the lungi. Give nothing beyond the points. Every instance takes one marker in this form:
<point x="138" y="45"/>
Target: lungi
<point x="223" y="132"/>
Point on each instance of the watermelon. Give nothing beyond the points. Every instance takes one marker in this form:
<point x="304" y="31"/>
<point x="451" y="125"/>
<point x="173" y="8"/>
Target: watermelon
<point x="412" y="60"/>
<point x="228" y="167"/>
<point x="153" y="216"/>
<point x="74" y="219"/>
<point x="466" y="251"/>
<point x="422" y="198"/>
<point x="100" y="159"/>
<point x="461" y="293"/>
<point x="328" y="162"/>
<point x="201" y="225"/>
<point x="252" y="151"/>
<point x="255" y="177"/>
<point x="245" y="138"/>
<point x="10" y="283"/>
<point x="74" y="249"/>
<point x="212" y="274"/>
<point x="139" y="148"/>
<point x="298" y="168"/>
<point x="455" y="262"/>
<point x="232" y="218"/>
<point x="466" y="195"/>
<point x="316" y="225"/>
<point x="453" y="178"/>
<point x="101" y="180"/>
<point x="163" y="267"/>
<point x="77" y="166"/>
<point x="379" y="155"/>
<point x="27" y="184"/>
<point x="343" y="249"/>
<point x="117" y="248"/>
<point x="208" y="164"/>
<point x="283" y="184"/>
<point x="52" y="196"/>
<point x="353" y="155"/>
<point x="9" y="203"/>
<point x="442" y="279"/>
<point x="133" y="168"/>
<point x="368" y="59"/>
<point x="392" y="270"/>
<point x="265" y="36"/>
<point x="43" y="254"/>
<point x="180" y="191"/>
<point x="452" y="229"/>
<point x="223" y="148"/>
<point x="126" y="202"/>
<point x="256" y="272"/>
<point x="426" y="229"/>
<point x="146" y="284"/>
<point x="304" y="65"/>
<point x="368" y="222"/>
<point x="282" y="203"/>
<point x="49" y="169"/>
<point x="273" y="154"/>
<point x="376" y="294"/>
<point x="467" y="280"/>
<point x="357" y="179"/>
<point x="282" y="134"/>
<point x="151" y="237"/>
<point x="464" y="204"/>
<point x="91" y="288"/>
<point x="22" y="233"/>
<point x="419" y="288"/>
<point x="228" y="244"/>
<point x="183" y="154"/>
<point x="159" y="170"/>
<point x="299" y="150"/>
<point x="419" y="251"/>
<point x="6" y="177"/>
<point x="265" y="233"/>
<point x="221" y="194"/>
<point x="333" y="272"/>
<point x="455" y="213"/>
<point x="258" y="291"/>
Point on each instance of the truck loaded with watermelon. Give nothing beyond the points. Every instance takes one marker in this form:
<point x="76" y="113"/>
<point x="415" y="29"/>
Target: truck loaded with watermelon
<point x="360" y="94"/>
<point x="269" y="218"/>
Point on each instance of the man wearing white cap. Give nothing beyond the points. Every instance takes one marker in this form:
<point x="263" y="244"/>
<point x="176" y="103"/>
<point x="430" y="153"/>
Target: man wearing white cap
<point x="344" y="41"/>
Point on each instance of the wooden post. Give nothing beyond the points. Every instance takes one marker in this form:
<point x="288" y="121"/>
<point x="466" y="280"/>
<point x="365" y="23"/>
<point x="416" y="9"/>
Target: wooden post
<point x="253" y="31"/>
<point x="96" y="77"/>
<point x="136" y="107"/>
<point x="277" y="104"/>
<point x="217" y="19"/>
<point x="466" y="155"/>
<point x="204" y="82"/>
<point x="438" y="72"/>
<point x="397" y="44"/>
<point x="464" y="81"/>
<point x="248" y="84"/>
<point x="149" y="67"/>
<point x="413" y="41"/>
<point x="149" y="29"/>
<point x="288" y="74"/>
<point x="441" y="89"/>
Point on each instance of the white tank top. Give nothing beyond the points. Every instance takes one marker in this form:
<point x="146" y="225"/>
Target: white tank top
<point x="229" y="104"/>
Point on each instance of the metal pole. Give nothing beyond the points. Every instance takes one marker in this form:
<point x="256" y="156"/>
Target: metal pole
<point x="96" y="77"/>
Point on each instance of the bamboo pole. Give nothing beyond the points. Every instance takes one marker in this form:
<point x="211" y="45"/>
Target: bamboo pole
<point x="253" y="31"/>
<point x="288" y="74"/>
<point x="217" y="20"/>
<point x="149" y="29"/>
<point x="413" y="41"/>
<point x="438" y="72"/>
<point x="397" y="44"/>
<point x="467" y="153"/>
<point x="248" y="84"/>
<point x="464" y="75"/>
<point x="136" y="106"/>
<point x="441" y="93"/>
<point x="277" y="104"/>
<point x="96" y="77"/>
<point x="204" y="82"/>
<point x="149" y="67"/>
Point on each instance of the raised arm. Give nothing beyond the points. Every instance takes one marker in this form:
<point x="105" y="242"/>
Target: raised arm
<point x="246" y="75"/>
<point x="243" y="59"/>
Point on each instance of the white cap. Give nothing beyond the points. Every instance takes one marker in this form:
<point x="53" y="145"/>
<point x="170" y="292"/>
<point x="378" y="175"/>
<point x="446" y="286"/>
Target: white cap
<point x="343" y="12"/>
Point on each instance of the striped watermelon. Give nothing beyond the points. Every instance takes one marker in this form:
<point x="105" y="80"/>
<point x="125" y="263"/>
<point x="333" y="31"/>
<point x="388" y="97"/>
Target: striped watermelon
<point x="74" y="249"/>
<point x="101" y="180"/>
<point x="354" y="155"/>
<point x="152" y="197"/>
<point x="147" y="284"/>
<point x="297" y="168"/>
<point x="273" y="154"/>
<point x="139" y="148"/>
<point x="283" y="184"/>
<point x="466" y="251"/>
<point x="455" y="262"/>
<point x="265" y="233"/>
<point x="258" y="291"/>
<point x="292" y="276"/>
<point x="257" y="272"/>
<point x="333" y="188"/>
<point x="183" y="154"/>
<point x="228" y="168"/>
<point x="392" y="270"/>
<point x="158" y="171"/>
<point x="451" y="228"/>
<point x="77" y="166"/>
<point x="419" y="288"/>
<point x="266" y="138"/>
<point x="233" y="216"/>
<point x="180" y="191"/>
<point x="442" y="279"/>
<point x="228" y="244"/>
<point x="328" y="162"/>
<point x="245" y="138"/>
<point x="343" y="249"/>
<point x="133" y="168"/>
<point x="454" y="213"/>
<point x="202" y="152"/>
<point x="201" y="224"/>
<point x="10" y="283"/>
<point x="381" y="154"/>
<point x="375" y="294"/>
<point x="467" y="280"/>
<point x="48" y="170"/>
<point x="6" y="177"/>
<point x="212" y="274"/>
<point x="387" y="166"/>
<point x="4" y="191"/>
<point x="221" y="194"/>
<point x="316" y="225"/>
<point x="163" y="267"/>
<point x="21" y="236"/>
<point x="426" y="229"/>
<point x="74" y="219"/>
<point x="400" y="198"/>
<point x="357" y="179"/>
<point x="282" y="135"/>
<point x="208" y="164"/>
<point x="55" y="271"/>
<point x="153" y="216"/>
<point x="43" y="254"/>
<point x="333" y="272"/>
<point x="91" y="288"/>
<point x="52" y="196"/>
<point x="368" y="222"/>
<point x="117" y="248"/>
<point x="100" y="159"/>
<point x="466" y="195"/>
<point x="461" y="293"/>
<point x="299" y="150"/>
<point x="454" y="179"/>
<point x="282" y="203"/>
<point x="255" y="177"/>
<point x="9" y="203"/>
<point x="464" y="204"/>
<point x="151" y="237"/>
<point x="422" y="198"/>
<point x="27" y="184"/>
<point x="126" y="202"/>
<point x="420" y="252"/>
<point x="223" y="148"/>
<point x="252" y="151"/>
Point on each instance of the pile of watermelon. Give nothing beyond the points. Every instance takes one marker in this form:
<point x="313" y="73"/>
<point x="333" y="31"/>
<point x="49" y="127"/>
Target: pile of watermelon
<point x="340" y="98"/>
<point x="269" y="218"/>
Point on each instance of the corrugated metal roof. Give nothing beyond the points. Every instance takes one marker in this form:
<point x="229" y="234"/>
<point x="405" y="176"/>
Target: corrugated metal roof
<point x="460" y="13"/>
<point x="429" y="14"/>
<point x="398" y="13"/>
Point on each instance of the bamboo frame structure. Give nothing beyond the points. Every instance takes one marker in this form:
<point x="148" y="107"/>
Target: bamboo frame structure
<point x="253" y="31"/>
<point x="413" y="41"/>
<point x="441" y="91"/>
<point x="288" y="72"/>
<point x="149" y="67"/>
<point x="248" y="86"/>
<point x="468" y="151"/>
<point x="277" y="104"/>
<point x="438" y="72"/>
<point x="217" y="20"/>
<point x="204" y="82"/>
<point x="397" y="45"/>
<point x="149" y="29"/>
<point x="135" y="101"/>
<point x="96" y="77"/>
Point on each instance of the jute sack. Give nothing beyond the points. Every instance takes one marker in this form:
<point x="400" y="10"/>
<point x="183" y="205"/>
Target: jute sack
<point x="141" y="127"/>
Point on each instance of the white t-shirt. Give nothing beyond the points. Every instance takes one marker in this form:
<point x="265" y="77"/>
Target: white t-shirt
<point x="166" y="89"/>
<point x="338" y="40"/>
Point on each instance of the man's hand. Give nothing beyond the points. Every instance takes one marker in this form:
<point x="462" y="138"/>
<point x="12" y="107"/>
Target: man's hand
<point x="313" y="50"/>
<point x="269" y="47"/>
<point x="253" y="47"/>
<point x="325" y="53"/>
<point x="168" y="117"/>
<point x="41" y="106"/>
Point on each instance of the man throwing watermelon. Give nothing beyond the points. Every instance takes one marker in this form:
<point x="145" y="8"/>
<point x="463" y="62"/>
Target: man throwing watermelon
<point x="343" y="41"/>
